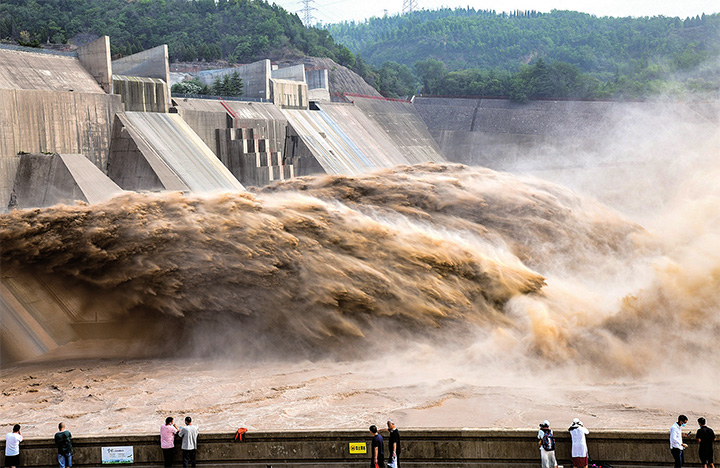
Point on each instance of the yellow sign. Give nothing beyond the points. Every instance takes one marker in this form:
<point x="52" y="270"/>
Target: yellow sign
<point x="358" y="447"/>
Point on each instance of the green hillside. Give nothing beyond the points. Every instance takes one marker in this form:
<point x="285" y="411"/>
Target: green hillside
<point x="236" y="30"/>
<point x="466" y="38"/>
<point x="523" y="55"/>
<point x="464" y="51"/>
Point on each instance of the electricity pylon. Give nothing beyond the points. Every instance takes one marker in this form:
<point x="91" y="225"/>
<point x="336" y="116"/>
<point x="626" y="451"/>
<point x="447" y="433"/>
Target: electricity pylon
<point x="307" y="11"/>
<point x="409" y="6"/>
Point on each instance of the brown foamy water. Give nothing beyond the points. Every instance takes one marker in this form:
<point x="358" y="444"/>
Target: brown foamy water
<point x="439" y="295"/>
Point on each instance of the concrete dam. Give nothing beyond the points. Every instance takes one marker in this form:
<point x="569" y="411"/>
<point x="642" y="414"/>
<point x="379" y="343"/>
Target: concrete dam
<point x="296" y="260"/>
<point x="80" y="127"/>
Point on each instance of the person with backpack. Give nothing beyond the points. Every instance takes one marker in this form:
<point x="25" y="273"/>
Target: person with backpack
<point x="547" y="445"/>
<point x="63" y="442"/>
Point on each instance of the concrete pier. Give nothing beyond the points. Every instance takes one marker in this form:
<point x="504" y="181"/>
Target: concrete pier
<point x="421" y="447"/>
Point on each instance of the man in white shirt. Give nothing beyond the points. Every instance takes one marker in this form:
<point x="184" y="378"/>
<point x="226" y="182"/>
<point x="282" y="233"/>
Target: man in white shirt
<point x="189" y="434"/>
<point x="677" y="447"/>
<point x="12" y="447"/>
<point x="579" y="444"/>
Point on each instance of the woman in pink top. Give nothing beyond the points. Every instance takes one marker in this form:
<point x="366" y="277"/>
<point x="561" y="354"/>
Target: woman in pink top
<point x="167" y="440"/>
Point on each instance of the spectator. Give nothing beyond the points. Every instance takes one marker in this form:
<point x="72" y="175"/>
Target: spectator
<point x="705" y="437"/>
<point x="167" y="440"/>
<point x="677" y="447"/>
<point x="12" y="447"/>
<point x="63" y="441"/>
<point x="189" y="434"/>
<point x="393" y="445"/>
<point x="377" y="451"/>
<point x="547" y="445"/>
<point x="579" y="444"/>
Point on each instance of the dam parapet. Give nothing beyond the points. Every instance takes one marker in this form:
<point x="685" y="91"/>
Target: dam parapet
<point x="482" y="448"/>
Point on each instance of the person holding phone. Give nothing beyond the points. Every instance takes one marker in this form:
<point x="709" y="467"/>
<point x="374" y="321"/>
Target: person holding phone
<point x="677" y="446"/>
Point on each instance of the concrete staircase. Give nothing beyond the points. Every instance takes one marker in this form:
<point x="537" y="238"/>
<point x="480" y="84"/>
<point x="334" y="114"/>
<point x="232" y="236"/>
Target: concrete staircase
<point x="249" y="156"/>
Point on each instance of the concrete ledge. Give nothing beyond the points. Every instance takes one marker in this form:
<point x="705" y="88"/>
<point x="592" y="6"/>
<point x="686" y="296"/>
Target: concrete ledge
<point x="437" y="447"/>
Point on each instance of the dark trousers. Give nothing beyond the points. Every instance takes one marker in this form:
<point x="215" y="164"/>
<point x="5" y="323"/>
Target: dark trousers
<point x="679" y="456"/>
<point x="188" y="458"/>
<point x="168" y="456"/>
<point x="380" y="463"/>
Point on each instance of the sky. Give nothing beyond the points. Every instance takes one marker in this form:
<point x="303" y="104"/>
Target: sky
<point x="334" y="11"/>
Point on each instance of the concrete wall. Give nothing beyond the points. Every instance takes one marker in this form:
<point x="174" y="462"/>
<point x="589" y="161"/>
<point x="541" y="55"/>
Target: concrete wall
<point x="151" y="63"/>
<point x="318" y="85"/>
<point x="51" y="179"/>
<point x="341" y="79"/>
<point x="141" y="94"/>
<point x="95" y="57"/>
<point x="248" y="137"/>
<point x="500" y="134"/>
<point x="404" y="126"/>
<point x="289" y="94"/>
<point x="497" y="133"/>
<point x="319" y="95"/>
<point x="205" y="116"/>
<point x="40" y="314"/>
<point x="317" y="79"/>
<point x="367" y="134"/>
<point x="293" y="73"/>
<point x="30" y="324"/>
<point x="344" y="140"/>
<point x="164" y="153"/>
<point x="430" y="446"/>
<point x="251" y="159"/>
<point x="255" y="76"/>
<point x="41" y="71"/>
<point x="35" y="121"/>
<point x="352" y="139"/>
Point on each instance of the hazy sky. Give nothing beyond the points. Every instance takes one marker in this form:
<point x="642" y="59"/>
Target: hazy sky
<point x="333" y="11"/>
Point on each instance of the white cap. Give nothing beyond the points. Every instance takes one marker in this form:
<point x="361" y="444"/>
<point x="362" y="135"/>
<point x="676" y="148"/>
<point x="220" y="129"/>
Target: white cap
<point x="577" y="422"/>
<point x="545" y="423"/>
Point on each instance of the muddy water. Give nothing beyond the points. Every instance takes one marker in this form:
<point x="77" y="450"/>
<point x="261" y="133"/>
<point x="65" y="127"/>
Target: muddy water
<point x="135" y="396"/>
<point x="436" y="295"/>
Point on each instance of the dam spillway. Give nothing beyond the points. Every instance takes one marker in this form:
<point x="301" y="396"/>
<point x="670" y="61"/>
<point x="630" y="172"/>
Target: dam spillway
<point x="59" y="106"/>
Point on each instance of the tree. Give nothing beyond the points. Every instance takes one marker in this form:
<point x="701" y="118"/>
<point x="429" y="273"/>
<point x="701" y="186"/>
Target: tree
<point x="345" y="57"/>
<point x="230" y="85"/>
<point x="395" y="80"/>
<point x="431" y="72"/>
<point x="191" y="87"/>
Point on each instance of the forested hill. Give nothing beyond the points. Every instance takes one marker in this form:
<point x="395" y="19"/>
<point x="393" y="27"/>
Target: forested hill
<point x="235" y="30"/>
<point x="467" y="38"/>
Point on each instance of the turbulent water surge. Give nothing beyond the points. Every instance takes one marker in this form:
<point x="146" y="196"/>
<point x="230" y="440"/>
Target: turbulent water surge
<point x="440" y="294"/>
